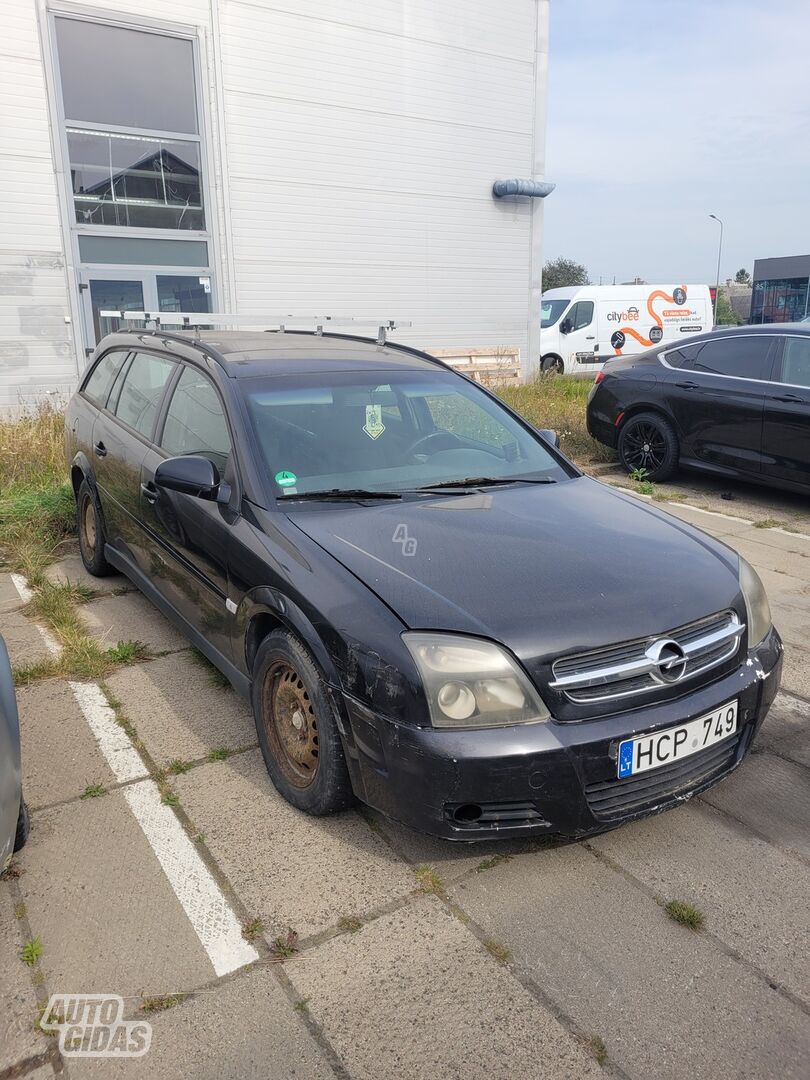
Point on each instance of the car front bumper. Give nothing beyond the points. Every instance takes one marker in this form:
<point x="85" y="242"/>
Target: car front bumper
<point x="549" y="778"/>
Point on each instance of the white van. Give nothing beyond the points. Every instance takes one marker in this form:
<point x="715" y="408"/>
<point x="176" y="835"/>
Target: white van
<point x="582" y="326"/>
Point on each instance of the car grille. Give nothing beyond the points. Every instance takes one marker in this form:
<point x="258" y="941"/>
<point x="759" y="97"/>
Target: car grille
<point x="613" y="799"/>
<point x="625" y="670"/>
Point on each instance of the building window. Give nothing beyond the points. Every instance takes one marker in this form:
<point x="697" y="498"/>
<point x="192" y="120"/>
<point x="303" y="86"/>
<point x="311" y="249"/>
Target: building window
<point x="133" y="140"/>
<point x="780" y="300"/>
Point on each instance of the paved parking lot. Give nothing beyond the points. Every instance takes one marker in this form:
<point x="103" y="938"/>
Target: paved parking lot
<point x="414" y="958"/>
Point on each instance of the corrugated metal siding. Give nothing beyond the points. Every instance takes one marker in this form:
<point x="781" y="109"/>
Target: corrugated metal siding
<point x="362" y="140"/>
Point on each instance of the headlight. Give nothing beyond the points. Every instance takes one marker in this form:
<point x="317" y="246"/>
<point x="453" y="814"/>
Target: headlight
<point x="471" y="683"/>
<point x="756" y="603"/>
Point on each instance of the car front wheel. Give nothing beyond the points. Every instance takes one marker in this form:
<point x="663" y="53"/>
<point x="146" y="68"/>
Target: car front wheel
<point x="297" y="729"/>
<point x="648" y="444"/>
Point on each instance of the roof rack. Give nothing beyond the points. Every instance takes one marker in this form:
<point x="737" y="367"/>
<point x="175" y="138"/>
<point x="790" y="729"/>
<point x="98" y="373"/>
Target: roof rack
<point x="196" y="320"/>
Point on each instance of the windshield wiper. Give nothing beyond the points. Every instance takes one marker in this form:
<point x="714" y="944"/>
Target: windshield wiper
<point x="350" y="494"/>
<point x="488" y="481"/>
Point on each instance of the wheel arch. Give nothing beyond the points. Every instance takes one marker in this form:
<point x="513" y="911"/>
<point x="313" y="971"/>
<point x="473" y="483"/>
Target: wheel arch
<point x="265" y="612"/>
<point x="647" y="407"/>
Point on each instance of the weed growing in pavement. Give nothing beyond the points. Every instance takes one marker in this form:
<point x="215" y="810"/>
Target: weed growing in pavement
<point x="769" y="523"/>
<point x="492" y="861"/>
<point x="176" y="766"/>
<point x="31" y="951"/>
<point x="595" y="1044"/>
<point x="219" y="753"/>
<point x="93" y="791"/>
<point x="501" y="953"/>
<point x="638" y="476"/>
<point x="252" y="928"/>
<point x="13" y="869"/>
<point x="160" y="1004"/>
<point x="350" y="923"/>
<point x="685" y="914"/>
<point x="169" y="798"/>
<point x="428" y="881"/>
<point x="19" y="911"/>
<point x="285" y="945"/>
<point x="303" y="1004"/>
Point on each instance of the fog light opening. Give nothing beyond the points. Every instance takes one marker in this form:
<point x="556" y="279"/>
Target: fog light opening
<point x="467" y="812"/>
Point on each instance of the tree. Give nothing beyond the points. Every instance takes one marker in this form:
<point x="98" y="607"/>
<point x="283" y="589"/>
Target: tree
<point x="742" y="277"/>
<point x="557" y="273"/>
<point x="725" y="315"/>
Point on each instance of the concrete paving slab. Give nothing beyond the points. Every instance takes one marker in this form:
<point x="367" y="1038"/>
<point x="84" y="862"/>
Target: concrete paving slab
<point x="753" y="895"/>
<point x="793" y="623"/>
<point x="60" y="756"/>
<point x="244" y="1029"/>
<point x="24" y="642"/>
<point x="667" y="1003"/>
<point x="97" y="897"/>
<point x="71" y="568"/>
<point x="797" y="543"/>
<point x="9" y="597"/>
<point x="787" y="729"/>
<point x="786" y="589"/>
<point x="178" y="713"/>
<point x="288" y="869"/>
<point x="414" y="994"/>
<point x="796" y="670"/>
<point x="768" y="556"/>
<point x="773" y="797"/>
<point x="450" y="859"/>
<point x="131" y="618"/>
<point x="18" y="1039"/>
<point x="717" y="526"/>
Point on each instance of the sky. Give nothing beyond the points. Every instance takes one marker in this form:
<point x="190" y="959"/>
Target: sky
<point x="661" y="113"/>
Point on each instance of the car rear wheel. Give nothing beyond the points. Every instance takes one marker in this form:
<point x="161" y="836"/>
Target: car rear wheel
<point x="297" y="729"/>
<point x="91" y="533"/>
<point x="648" y="444"/>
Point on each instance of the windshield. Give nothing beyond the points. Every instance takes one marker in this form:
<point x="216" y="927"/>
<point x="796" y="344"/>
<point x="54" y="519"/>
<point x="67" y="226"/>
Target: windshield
<point x="551" y="310"/>
<point x="387" y="431"/>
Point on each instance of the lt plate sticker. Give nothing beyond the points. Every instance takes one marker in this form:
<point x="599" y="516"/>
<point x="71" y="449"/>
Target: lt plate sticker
<point x="286" y="479"/>
<point x="374" y="426"/>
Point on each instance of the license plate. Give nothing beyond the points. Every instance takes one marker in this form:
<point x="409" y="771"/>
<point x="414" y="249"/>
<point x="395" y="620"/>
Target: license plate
<point x="675" y="743"/>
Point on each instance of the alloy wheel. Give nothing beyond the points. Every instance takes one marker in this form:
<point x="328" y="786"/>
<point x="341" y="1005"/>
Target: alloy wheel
<point x="645" y="447"/>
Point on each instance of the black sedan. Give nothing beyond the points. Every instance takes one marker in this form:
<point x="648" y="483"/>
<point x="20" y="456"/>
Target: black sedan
<point x="734" y="402"/>
<point x="402" y="576"/>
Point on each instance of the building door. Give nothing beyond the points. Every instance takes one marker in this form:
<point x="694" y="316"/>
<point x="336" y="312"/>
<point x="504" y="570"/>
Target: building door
<point x="110" y="289"/>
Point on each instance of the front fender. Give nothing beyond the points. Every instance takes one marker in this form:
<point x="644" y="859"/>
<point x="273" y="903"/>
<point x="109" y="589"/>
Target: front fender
<point x="264" y="600"/>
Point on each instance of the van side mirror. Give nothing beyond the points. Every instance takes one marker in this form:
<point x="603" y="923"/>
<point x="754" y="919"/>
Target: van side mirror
<point x="191" y="474"/>
<point x="565" y="326"/>
<point x="550" y="436"/>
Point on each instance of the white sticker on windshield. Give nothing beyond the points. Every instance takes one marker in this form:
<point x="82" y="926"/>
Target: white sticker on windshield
<point x="374" y="426"/>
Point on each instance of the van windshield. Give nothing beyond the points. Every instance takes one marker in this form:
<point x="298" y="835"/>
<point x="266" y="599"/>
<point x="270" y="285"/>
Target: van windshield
<point x="551" y="310"/>
<point x="387" y="430"/>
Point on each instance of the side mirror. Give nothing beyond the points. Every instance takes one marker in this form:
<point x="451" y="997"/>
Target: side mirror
<point x="550" y="436"/>
<point x="565" y="326"/>
<point x="191" y="474"/>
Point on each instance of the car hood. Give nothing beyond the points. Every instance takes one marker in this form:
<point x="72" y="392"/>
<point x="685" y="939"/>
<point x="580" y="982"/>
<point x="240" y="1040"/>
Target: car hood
<point x="544" y="570"/>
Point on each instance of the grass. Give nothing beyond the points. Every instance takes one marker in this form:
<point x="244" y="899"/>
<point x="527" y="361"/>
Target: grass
<point x="303" y="1004"/>
<point x="501" y="953"/>
<point x="285" y="945"/>
<point x="93" y="791"/>
<point x="19" y="911"/>
<point x="219" y="753"/>
<point x="493" y="861"/>
<point x="31" y="951"/>
<point x="427" y="880"/>
<point x="252" y="928"/>
<point x="176" y="766"/>
<point x="160" y="1004"/>
<point x="350" y="923"/>
<point x="685" y="914"/>
<point x="769" y="523"/>
<point x="558" y="402"/>
<point x="596" y="1046"/>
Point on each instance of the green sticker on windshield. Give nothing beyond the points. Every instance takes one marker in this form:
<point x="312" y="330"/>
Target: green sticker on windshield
<point x="286" y="479"/>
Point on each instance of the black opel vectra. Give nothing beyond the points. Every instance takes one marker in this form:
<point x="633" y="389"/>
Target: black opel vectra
<point x="431" y="609"/>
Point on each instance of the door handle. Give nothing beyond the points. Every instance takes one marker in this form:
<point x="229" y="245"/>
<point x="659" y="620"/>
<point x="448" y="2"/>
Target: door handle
<point x="794" y="398"/>
<point x="150" y="493"/>
<point x="100" y="449"/>
<point x="688" y="385"/>
<point x="590" y="337"/>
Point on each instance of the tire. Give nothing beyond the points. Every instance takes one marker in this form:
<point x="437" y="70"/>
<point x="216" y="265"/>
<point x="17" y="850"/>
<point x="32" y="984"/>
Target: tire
<point x="648" y="441"/>
<point x="23" y="826"/>
<point x="306" y="763"/>
<point x="91" y="533"/>
<point x="552" y="363"/>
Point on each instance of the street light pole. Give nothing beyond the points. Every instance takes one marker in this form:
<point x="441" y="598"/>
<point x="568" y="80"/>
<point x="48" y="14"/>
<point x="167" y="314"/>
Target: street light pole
<point x="719" y="253"/>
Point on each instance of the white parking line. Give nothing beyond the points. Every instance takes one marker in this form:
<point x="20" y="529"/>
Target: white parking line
<point x="210" y="914"/>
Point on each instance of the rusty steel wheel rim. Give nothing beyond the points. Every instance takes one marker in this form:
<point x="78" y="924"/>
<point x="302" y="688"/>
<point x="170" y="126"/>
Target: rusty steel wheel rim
<point x="290" y="725"/>
<point x="89" y="529"/>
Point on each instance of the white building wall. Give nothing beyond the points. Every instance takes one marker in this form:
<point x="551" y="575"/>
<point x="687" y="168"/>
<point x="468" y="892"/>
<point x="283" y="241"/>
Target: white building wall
<point x="352" y="150"/>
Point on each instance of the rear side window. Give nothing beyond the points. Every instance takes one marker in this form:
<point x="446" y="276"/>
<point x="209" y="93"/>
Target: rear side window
<point x="140" y="395"/>
<point x="97" y="386"/>
<point x="740" y="357"/>
<point x="682" y="357"/>
<point x="195" y="421"/>
<point x="796" y="361"/>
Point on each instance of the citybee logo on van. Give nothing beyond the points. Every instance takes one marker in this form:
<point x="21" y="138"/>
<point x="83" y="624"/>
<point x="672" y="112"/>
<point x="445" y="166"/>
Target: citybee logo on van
<point x="631" y="315"/>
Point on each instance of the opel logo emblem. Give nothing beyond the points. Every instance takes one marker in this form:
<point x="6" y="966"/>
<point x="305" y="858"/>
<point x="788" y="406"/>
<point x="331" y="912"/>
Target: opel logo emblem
<point x="669" y="659"/>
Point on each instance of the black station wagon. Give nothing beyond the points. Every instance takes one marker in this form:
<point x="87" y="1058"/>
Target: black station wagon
<point x="431" y="609"/>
